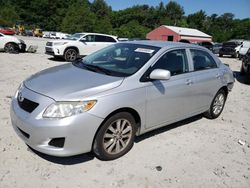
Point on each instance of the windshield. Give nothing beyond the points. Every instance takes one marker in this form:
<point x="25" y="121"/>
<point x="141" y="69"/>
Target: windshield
<point x="75" y="36"/>
<point x="120" y="59"/>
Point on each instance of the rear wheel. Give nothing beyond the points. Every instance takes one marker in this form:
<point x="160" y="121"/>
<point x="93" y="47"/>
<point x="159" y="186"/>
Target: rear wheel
<point x="11" y="48"/>
<point x="70" y="55"/>
<point x="116" y="137"/>
<point x="217" y="105"/>
<point x="220" y="55"/>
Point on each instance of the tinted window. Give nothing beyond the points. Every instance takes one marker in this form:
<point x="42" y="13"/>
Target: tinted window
<point x="174" y="61"/>
<point x="110" y="39"/>
<point x="202" y="60"/>
<point x="90" y="38"/>
<point x="100" y="38"/>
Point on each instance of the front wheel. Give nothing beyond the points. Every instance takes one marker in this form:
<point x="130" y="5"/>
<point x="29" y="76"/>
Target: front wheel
<point x="217" y="105"/>
<point x="116" y="137"/>
<point x="70" y="55"/>
<point x="11" y="48"/>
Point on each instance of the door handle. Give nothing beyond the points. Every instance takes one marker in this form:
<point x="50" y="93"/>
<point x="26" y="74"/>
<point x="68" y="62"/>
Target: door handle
<point x="189" y="82"/>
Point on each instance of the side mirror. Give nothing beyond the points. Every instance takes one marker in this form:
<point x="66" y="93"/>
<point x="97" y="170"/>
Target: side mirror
<point x="160" y="74"/>
<point x="83" y="39"/>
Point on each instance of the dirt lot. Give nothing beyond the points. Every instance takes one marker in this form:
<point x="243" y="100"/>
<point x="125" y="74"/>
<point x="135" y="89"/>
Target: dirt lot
<point x="194" y="153"/>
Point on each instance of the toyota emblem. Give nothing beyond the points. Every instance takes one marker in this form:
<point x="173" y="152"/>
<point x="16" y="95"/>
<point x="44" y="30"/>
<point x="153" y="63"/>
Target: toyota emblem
<point x="20" y="97"/>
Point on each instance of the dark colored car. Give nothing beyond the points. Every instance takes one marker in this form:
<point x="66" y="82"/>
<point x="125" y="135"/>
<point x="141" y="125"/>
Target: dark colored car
<point x="245" y="66"/>
<point x="228" y="48"/>
<point x="6" y="31"/>
<point x="216" y="48"/>
<point x="207" y="45"/>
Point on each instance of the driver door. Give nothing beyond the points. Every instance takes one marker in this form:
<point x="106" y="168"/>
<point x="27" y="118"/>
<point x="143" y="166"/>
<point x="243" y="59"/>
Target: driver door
<point x="170" y="100"/>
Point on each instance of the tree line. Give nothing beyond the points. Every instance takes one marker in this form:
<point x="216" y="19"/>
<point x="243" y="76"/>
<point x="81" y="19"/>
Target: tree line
<point x="135" y="22"/>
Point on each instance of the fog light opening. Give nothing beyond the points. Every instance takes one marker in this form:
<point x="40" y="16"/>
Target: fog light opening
<point x="57" y="142"/>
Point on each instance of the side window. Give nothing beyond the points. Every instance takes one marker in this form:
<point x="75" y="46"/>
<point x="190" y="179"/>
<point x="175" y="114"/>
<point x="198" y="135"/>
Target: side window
<point x="110" y="39"/>
<point x="202" y="60"/>
<point x="175" y="61"/>
<point x="90" y="38"/>
<point x="1" y="35"/>
<point x="100" y="38"/>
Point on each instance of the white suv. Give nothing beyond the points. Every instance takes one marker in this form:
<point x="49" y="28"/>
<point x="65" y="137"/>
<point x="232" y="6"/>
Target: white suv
<point x="11" y="44"/>
<point x="78" y="45"/>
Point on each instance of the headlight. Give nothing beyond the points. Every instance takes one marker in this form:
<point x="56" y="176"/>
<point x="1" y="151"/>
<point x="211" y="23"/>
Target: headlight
<point x="59" y="43"/>
<point x="19" y="89"/>
<point x="66" y="109"/>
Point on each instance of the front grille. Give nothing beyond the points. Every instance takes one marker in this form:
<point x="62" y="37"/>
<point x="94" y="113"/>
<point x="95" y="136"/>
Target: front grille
<point x="27" y="105"/>
<point x="48" y="49"/>
<point x="24" y="133"/>
<point x="49" y="44"/>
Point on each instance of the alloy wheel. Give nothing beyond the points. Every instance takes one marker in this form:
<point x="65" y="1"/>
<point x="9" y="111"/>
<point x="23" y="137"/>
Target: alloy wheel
<point x="117" y="136"/>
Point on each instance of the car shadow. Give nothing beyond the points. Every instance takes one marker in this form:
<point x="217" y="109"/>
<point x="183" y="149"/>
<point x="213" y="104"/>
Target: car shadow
<point x="72" y="160"/>
<point x="167" y="128"/>
<point x="243" y="79"/>
<point x="56" y="59"/>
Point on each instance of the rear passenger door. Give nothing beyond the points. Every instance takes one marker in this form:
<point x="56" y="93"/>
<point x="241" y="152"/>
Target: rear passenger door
<point x="206" y="77"/>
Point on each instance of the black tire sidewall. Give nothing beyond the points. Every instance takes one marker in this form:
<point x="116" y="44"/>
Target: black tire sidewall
<point x="98" y="143"/>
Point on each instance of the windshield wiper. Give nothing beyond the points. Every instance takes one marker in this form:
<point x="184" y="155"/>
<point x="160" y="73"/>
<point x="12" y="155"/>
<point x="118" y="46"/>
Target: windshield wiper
<point x="96" y="68"/>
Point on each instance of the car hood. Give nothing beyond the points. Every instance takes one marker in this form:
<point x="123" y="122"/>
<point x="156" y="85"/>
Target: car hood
<point x="68" y="83"/>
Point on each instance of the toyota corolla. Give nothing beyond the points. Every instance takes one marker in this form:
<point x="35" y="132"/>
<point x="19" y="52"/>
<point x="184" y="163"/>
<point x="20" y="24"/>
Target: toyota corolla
<point x="101" y="102"/>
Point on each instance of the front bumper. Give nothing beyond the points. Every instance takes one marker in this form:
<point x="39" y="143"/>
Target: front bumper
<point x="54" y="50"/>
<point x="37" y="132"/>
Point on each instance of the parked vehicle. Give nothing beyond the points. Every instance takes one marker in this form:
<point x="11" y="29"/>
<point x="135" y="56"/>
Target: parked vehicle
<point x="207" y="45"/>
<point x="78" y="45"/>
<point x="11" y="44"/>
<point x="38" y="32"/>
<point x="228" y="48"/>
<point x="244" y="47"/>
<point x="7" y="31"/>
<point x="245" y="66"/>
<point x="216" y="48"/>
<point x="28" y="33"/>
<point x="102" y="101"/>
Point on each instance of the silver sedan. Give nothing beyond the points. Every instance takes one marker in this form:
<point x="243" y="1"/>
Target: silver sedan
<point x="101" y="102"/>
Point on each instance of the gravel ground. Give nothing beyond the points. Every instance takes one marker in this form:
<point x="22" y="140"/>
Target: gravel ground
<point x="193" y="153"/>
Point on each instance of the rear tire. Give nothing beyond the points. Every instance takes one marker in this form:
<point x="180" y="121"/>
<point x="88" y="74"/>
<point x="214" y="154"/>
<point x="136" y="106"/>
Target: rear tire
<point x="220" y="55"/>
<point x="116" y="137"/>
<point x="217" y="105"/>
<point x="70" y="55"/>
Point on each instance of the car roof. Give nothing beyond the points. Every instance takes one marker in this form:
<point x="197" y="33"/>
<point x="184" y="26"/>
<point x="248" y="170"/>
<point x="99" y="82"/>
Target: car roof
<point x="163" y="44"/>
<point x="97" y="34"/>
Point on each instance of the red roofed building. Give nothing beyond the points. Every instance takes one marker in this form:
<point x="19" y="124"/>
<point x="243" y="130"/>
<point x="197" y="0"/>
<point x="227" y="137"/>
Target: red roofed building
<point x="178" y="34"/>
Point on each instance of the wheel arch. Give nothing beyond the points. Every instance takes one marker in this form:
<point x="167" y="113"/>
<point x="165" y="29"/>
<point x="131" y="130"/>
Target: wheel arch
<point x="71" y="47"/>
<point x="132" y="111"/>
<point x="225" y="90"/>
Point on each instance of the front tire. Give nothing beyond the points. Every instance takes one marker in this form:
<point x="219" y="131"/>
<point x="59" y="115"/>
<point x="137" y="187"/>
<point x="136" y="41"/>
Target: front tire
<point x="11" y="48"/>
<point x="217" y="105"/>
<point x="116" y="137"/>
<point x="70" y="55"/>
